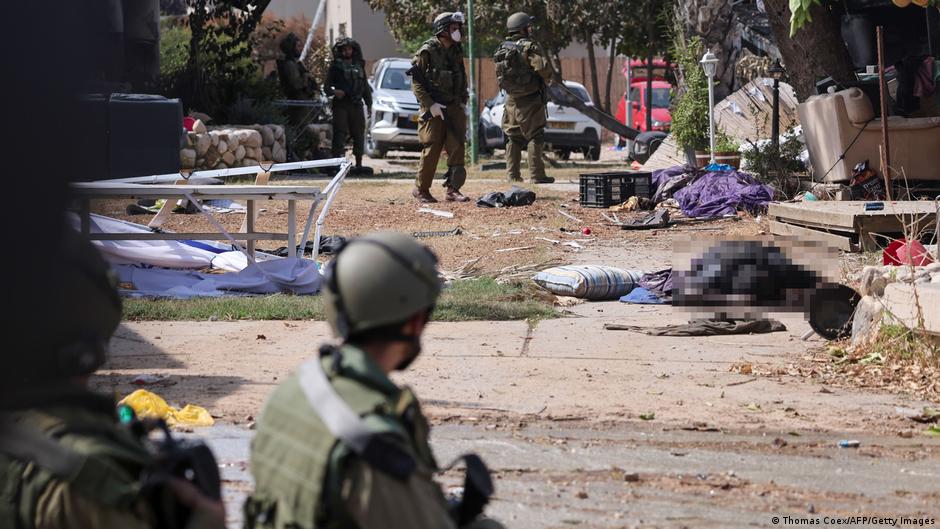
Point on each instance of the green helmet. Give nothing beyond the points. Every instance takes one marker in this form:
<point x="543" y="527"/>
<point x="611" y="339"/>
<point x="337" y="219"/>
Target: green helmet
<point x="518" y="21"/>
<point x="444" y="20"/>
<point x="379" y="280"/>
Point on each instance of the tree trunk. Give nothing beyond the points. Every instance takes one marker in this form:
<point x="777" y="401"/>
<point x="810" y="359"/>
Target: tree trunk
<point x="715" y="22"/>
<point x="649" y="90"/>
<point x="610" y="74"/>
<point x="556" y="66"/>
<point x="816" y="51"/>
<point x="592" y="60"/>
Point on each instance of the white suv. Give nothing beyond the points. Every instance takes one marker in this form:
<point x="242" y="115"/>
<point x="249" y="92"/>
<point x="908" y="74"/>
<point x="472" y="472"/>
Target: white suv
<point x="568" y="130"/>
<point x="393" y="124"/>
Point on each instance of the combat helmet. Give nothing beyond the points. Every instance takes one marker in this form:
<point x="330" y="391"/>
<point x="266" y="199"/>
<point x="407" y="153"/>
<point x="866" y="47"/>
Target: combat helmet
<point x="379" y="280"/>
<point x="444" y="20"/>
<point x="518" y="21"/>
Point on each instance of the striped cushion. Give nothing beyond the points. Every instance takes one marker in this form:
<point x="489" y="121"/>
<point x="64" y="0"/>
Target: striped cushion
<point x="588" y="281"/>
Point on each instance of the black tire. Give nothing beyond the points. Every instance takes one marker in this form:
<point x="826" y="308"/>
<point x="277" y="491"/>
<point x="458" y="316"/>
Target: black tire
<point x="375" y="149"/>
<point x="593" y="153"/>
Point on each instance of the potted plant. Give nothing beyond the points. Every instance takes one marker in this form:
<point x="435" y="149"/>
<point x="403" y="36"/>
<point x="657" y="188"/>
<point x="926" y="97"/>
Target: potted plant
<point x="727" y="150"/>
<point x="690" y="117"/>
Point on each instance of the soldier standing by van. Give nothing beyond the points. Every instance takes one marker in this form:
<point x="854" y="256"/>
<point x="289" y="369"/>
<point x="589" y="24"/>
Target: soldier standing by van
<point x="523" y="70"/>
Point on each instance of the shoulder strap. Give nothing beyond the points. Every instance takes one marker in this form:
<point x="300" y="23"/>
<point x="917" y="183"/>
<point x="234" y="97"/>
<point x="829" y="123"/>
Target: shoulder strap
<point x="375" y="449"/>
<point x="90" y="476"/>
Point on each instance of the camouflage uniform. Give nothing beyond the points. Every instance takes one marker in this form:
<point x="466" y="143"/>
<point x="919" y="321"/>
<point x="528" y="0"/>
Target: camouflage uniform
<point x="444" y="69"/>
<point x="348" y="114"/>
<point x="305" y="477"/>
<point x="525" y="116"/>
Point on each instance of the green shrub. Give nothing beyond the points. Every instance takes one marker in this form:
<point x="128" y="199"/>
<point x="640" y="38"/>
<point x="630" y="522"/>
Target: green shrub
<point x="690" y="114"/>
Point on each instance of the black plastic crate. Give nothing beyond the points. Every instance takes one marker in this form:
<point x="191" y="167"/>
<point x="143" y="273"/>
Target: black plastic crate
<point x="602" y="190"/>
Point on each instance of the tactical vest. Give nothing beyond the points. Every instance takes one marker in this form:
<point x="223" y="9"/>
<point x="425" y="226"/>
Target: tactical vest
<point x="293" y="452"/>
<point x="446" y="72"/>
<point x="105" y="463"/>
<point x="513" y="72"/>
<point x="355" y="78"/>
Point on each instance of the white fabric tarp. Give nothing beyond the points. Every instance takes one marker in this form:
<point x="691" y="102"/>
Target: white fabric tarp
<point x="183" y="255"/>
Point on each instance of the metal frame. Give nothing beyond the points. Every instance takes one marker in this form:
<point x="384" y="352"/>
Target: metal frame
<point x="197" y="193"/>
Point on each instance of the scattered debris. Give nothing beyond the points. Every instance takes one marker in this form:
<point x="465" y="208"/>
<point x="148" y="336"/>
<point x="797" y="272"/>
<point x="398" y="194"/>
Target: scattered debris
<point x="447" y="233"/>
<point x="145" y="380"/>
<point x="572" y="217"/>
<point x="261" y="337"/>
<point x="546" y="239"/>
<point x="846" y="443"/>
<point x="517" y="248"/>
<point x="147" y="404"/>
<point x="631" y="477"/>
<point x="574" y="245"/>
<point x="779" y="443"/>
<point x="928" y="415"/>
<point x="437" y="213"/>
<point x="648" y="416"/>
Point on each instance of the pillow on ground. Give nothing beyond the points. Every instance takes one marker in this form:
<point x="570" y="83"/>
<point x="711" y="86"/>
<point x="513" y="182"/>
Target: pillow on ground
<point x="588" y="281"/>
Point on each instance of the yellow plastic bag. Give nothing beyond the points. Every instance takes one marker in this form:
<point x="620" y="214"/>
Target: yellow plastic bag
<point x="147" y="404"/>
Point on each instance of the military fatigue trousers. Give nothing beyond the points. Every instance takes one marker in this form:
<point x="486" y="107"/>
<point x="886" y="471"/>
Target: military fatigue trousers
<point x="524" y="121"/>
<point x="438" y="134"/>
<point x="348" y="120"/>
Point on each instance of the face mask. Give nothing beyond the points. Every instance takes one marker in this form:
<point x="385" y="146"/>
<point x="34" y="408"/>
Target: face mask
<point x="455" y="36"/>
<point x="411" y="358"/>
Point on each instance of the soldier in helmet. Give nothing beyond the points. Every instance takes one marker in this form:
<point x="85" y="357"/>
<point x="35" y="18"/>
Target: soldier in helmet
<point x="338" y="443"/>
<point x="523" y="70"/>
<point x="440" y="85"/>
<point x="346" y="80"/>
<point x="296" y="84"/>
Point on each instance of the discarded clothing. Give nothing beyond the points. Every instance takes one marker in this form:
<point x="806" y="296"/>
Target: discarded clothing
<point x="516" y="197"/>
<point x="642" y="296"/>
<point x="659" y="283"/>
<point x="329" y="245"/>
<point x="588" y="281"/>
<point x="711" y="193"/>
<point x="706" y="328"/>
<point x="295" y="276"/>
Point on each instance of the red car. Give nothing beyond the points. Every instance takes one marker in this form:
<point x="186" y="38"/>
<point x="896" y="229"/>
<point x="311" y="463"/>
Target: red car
<point x="662" y="93"/>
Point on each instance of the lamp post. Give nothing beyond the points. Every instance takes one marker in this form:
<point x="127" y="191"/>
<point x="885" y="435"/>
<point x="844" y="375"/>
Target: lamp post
<point x="776" y="73"/>
<point x="709" y="64"/>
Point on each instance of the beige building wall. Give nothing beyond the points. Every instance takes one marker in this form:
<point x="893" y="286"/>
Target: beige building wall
<point x="291" y="8"/>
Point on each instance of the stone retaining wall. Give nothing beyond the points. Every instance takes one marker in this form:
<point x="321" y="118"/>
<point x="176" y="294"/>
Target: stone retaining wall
<point x="226" y="146"/>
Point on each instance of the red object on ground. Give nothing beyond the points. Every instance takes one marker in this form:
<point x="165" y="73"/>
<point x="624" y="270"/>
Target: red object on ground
<point x="901" y="252"/>
<point x="586" y="231"/>
<point x="188" y="123"/>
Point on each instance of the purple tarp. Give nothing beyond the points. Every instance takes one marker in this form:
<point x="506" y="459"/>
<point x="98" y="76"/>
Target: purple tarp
<point x="702" y="193"/>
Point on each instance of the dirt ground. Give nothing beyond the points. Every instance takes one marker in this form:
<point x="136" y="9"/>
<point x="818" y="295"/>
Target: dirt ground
<point x="581" y="426"/>
<point x="501" y="236"/>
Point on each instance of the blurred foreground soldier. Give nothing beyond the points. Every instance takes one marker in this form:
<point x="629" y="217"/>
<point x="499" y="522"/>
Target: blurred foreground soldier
<point x="66" y="461"/>
<point x="347" y="80"/>
<point x="338" y="443"/>
<point x="523" y="70"/>
<point x="440" y="85"/>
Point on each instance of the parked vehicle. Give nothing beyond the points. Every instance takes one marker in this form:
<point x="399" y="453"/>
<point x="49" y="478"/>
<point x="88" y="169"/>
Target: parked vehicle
<point x="568" y="130"/>
<point x="393" y="124"/>
<point x="661" y="97"/>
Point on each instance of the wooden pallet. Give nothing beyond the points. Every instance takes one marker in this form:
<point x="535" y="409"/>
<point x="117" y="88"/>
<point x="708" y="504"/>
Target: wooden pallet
<point x="847" y="226"/>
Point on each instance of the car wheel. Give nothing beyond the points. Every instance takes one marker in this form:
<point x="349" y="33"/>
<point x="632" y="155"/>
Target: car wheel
<point x="593" y="153"/>
<point x="375" y="149"/>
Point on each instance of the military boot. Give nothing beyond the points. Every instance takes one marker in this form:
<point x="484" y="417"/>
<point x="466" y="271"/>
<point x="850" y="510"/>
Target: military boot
<point x="454" y="195"/>
<point x="424" y="196"/>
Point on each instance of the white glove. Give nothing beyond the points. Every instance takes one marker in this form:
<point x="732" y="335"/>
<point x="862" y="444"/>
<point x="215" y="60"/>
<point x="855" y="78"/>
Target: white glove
<point x="437" y="110"/>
